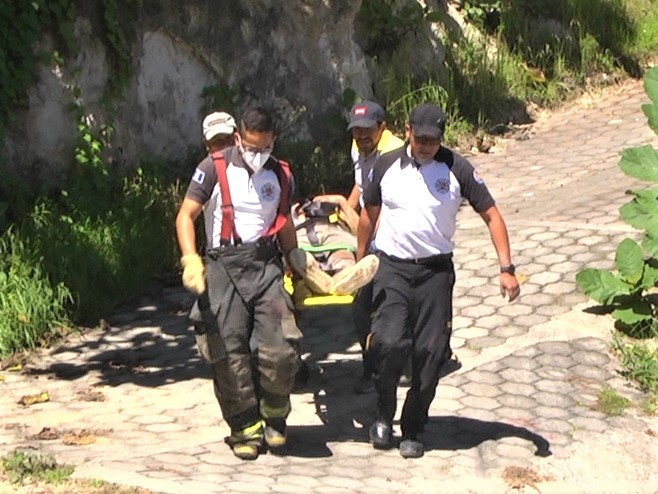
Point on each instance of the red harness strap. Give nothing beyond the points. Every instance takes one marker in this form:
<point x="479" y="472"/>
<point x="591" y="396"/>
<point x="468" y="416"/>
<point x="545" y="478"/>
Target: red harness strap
<point x="284" y="175"/>
<point x="228" y="212"/>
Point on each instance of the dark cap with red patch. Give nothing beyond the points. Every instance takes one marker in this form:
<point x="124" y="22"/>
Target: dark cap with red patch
<point x="365" y="114"/>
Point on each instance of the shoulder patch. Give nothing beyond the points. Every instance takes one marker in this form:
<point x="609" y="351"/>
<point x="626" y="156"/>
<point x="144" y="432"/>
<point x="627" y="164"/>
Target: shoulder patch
<point x="477" y="177"/>
<point x="198" y="176"/>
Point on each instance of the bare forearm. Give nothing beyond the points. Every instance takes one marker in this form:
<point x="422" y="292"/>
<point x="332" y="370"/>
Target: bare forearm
<point x="287" y="237"/>
<point x="187" y="215"/>
<point x="353" y="198"/>
<point x="499" y="236"/>
<point x="365" y="231"/>
<point x="509" y="285"/>
<point x="186" y="234"/>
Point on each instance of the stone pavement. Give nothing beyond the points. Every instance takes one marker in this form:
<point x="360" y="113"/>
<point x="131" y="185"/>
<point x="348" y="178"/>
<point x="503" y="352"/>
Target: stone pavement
<point x="132" y="403"/>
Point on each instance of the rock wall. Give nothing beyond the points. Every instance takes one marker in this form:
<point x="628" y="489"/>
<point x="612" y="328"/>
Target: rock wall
<point x="295" y="57"/>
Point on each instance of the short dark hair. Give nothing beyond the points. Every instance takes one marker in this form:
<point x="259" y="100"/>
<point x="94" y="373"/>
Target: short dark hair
<point x="256" y="119"/>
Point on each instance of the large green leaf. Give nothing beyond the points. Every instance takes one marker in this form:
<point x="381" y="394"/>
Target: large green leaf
<point x="640" y="162"/>
<point x="651" y="87"/>
<point x="650" y="244"/>
<point x="601" y="285"/>
<point x="642" y="211"/>
<point x="651" y="112"/>
<point x="649" y="277"/>
<point x="639" y="310"/>
<point x="651" y="84"/>
<point x="629" y="260"/>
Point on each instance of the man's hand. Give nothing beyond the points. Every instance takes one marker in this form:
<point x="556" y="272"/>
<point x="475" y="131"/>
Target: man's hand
<point x="509" y="286"/>
<point x="194" y="273"/>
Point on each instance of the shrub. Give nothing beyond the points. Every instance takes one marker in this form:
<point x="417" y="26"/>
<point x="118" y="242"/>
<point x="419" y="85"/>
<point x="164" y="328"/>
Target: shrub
<point x="630" y="292"/>
<point x="32" y="309"/>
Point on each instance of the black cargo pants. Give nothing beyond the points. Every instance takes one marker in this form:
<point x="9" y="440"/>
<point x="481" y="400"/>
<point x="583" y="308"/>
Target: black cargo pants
<point x="413" y="317"/>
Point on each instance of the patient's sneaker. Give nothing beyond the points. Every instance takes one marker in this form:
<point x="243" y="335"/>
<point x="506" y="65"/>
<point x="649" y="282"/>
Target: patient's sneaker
<point x="351" y="279"/>
<point x="307" y="267"/>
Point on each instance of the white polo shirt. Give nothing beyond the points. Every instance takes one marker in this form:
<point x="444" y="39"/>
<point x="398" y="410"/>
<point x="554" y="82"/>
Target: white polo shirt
<point x="255" y="197"/>
<point x="419" y="203"/>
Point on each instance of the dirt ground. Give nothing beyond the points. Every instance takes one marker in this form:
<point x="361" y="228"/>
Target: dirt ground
<point x="69" y="487"/>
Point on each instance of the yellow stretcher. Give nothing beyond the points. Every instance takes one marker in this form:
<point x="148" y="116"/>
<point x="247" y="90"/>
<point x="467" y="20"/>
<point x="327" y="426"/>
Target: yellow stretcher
<point x="315" y="299"/>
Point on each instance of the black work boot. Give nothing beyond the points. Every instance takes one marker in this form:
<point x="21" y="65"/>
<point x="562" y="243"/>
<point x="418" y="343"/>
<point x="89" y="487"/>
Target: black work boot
<point x="381" y="434"/>
<point x="411" y="447"/>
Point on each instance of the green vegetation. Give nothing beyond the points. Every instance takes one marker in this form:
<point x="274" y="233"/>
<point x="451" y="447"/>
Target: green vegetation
<point x="513" y="52"/>
<point x="36" y="472"/>
<point x="640" y="362"/>
<point x="82" y="249"/>
<point x="21" y="466"/>
<point x="22" y="25"/>
<point x="69" y="252"/>
<point x="631" y="293"/>
<point x="32" y="310"/>
<point x="611" y="402"/>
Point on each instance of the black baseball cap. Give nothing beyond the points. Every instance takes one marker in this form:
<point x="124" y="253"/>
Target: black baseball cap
<point x="428" y="120"/>
<point x="365" y="114"/>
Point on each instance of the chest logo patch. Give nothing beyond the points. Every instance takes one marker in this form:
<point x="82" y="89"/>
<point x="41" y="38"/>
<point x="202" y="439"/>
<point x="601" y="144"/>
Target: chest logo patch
<point x="442" y="185"/>
<point x="267" y="191"/>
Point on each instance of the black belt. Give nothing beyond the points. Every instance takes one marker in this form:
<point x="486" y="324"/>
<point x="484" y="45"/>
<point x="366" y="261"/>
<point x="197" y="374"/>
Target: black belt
<point x="263" y="242"/>
<point x="425" y="261"/>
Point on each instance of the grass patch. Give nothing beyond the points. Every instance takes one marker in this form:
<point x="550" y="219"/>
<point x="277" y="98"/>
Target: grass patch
<point x="644" y="14"/>
<point x="611" y="402"/>
<point x="105" y="255"/>
<point x="33" y="310"/>
<point x="404" y="97"/>
<point x="24" y="466"/>
<point x="640" y="364"/>
<point x="639" y="361"/>
<point x="76" y="255"/>
<point x="27" y="472"/>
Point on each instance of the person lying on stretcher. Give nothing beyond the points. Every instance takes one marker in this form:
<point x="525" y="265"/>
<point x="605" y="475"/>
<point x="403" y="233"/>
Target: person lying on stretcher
<point x="326" y="258"/>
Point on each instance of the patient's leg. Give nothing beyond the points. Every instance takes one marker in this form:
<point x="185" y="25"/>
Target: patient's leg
<point x="354" y="277"/>
<point x="341" y="259"/>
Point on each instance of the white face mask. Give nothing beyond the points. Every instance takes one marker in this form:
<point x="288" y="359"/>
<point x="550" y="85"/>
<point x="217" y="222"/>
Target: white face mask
<point x="255" y="161"/>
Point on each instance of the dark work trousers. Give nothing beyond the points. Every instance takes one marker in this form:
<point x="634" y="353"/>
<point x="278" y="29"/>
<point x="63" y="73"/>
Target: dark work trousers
<point x="246" y="331"/>
<point x="413" y="316"/>
<point x="362" y="318"/>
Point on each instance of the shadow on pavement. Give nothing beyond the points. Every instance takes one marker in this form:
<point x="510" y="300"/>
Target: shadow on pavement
<point x="335" y="363"/>
<point x="453" y="433"/>
<point x="148" y="344"/>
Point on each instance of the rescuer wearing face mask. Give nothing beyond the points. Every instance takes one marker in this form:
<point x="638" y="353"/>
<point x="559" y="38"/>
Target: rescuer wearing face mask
<point x="242" y="317"/>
